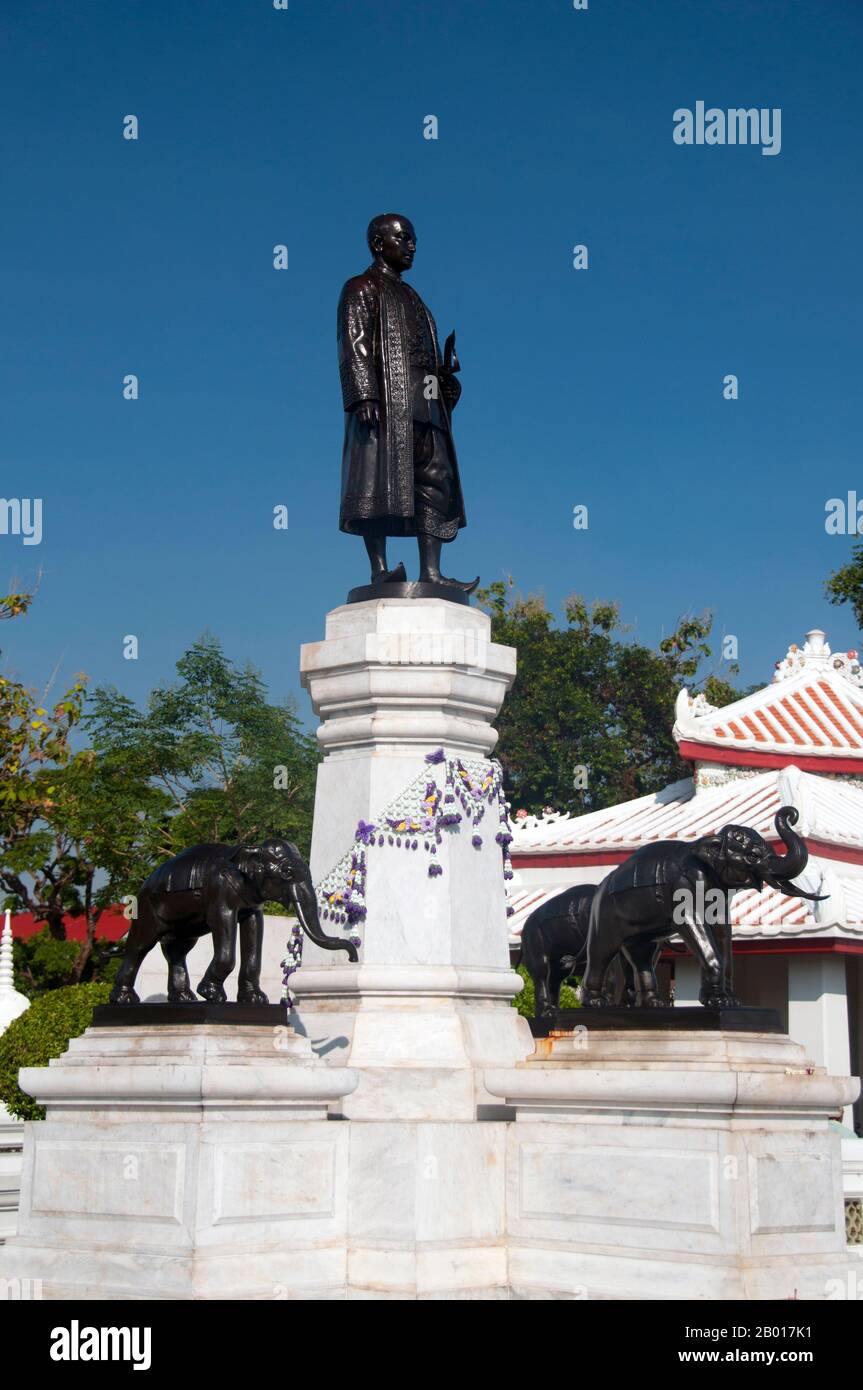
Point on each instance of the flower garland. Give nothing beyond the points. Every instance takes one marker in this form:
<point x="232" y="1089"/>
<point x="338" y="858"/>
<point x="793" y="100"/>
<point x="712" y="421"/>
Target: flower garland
<point x="419" y="815"/>
<point x="292" y="962"/>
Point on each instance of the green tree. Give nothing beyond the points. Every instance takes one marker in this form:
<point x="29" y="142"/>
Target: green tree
<point x="845" y="585"/>
<point x="37" y="874"/>
<point x="64" y="850"/>
<point x="209" y="759"/>
<point x="588" y="721"/>
<point x="42" y="1033"/>
<point x="219" y="761"/>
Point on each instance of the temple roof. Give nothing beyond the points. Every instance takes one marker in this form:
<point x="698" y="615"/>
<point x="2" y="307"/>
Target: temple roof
<point x="767" y="750"/>
<point x="831" y="812"/>
<point x="811" y="714"/>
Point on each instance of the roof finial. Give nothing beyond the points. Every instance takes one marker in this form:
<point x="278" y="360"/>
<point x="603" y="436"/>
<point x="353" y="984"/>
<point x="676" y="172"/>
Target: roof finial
<point x="815" y="655"/>
<point x="816" y="643"/>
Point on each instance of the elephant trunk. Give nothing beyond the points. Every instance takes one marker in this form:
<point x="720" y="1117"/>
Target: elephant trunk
<point x="779" y="869"/>
<point x="791" y="864"/>
<point x="303" y="895"/>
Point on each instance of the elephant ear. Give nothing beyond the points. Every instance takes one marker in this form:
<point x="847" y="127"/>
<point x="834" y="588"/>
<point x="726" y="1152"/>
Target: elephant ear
<point x="710" y="849"/>
<point x="248" y="860"/>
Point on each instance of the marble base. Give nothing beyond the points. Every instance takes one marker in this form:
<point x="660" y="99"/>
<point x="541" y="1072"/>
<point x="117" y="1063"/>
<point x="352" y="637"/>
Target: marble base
<point x="11" y="1144"/>
<point x="418" y="1037"/>
<point x="426" y="1216"/>
<point x="184" y="1163"/>
<point x="198" y="1163"/>
<point x="674" y="1166"/>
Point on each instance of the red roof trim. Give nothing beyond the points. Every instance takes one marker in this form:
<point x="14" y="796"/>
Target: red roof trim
<point x="748" y="757"/>
<point x="565" y="859"/>
<point x="786" y="946"/>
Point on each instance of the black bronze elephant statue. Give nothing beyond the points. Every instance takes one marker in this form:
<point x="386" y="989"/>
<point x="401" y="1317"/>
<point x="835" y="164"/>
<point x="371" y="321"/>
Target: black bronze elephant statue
<point x="554" y="947"/>
<point x="677" y="887"/>
<point x="216" y="888"/>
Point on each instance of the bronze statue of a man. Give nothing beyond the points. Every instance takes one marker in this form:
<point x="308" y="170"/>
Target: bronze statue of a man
<point x="399" y="468"/>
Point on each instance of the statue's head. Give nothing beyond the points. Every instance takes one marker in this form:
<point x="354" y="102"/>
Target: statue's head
<point x="740" y="858"/>
<point x="392" y="239"/>
<point x="273" y="866"/>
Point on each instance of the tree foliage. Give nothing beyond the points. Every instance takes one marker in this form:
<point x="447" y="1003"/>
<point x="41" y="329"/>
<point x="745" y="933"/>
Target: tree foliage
<point x="38" y="869"/>
<point x="845" y="585"/>
<point x="208" y="759"/>
<point x="525" y="1002"/>
<point x="588" y="721"/>
<point x="40" y="1034"/>
<point x="211" y="757"/>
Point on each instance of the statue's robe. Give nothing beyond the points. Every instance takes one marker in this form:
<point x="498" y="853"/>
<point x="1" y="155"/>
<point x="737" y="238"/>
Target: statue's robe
<point x="401" y="478"/>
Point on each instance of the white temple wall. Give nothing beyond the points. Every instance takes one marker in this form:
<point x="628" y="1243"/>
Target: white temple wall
<point x="818" y="1011"/>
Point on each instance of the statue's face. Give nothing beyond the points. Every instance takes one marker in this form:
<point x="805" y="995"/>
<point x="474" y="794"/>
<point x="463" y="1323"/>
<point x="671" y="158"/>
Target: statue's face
<point x="397" y="245"/>
<point x="745" y="851"/>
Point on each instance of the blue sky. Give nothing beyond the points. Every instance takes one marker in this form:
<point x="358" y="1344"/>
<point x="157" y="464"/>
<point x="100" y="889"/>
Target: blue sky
<point x="601" y="387"/>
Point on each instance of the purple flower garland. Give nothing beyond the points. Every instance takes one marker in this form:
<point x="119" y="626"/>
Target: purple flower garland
<point x="439" y="812"/>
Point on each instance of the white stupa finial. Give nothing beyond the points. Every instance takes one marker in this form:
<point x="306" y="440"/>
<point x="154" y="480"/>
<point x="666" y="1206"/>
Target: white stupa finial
<point x="11" y="1002"/>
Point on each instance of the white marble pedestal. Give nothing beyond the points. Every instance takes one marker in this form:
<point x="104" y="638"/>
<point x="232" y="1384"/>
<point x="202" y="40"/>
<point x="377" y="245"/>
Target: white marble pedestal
<point x="11" y="1140"/>
<point x="674" y="1166"/>
<point x="409" y="1141"/>
<point x="185" y="1162"/>
<point x="428" y="1007"/>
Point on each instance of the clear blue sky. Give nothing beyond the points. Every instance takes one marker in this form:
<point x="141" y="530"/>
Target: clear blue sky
<point x="602" y="387"/>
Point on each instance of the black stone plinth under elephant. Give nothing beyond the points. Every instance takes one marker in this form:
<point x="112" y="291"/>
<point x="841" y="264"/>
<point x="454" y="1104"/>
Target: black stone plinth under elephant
<point x="219" y="889"/>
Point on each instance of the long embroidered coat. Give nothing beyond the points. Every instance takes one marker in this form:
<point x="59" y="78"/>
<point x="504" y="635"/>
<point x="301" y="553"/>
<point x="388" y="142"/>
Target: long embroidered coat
<point x="374" y="365"/>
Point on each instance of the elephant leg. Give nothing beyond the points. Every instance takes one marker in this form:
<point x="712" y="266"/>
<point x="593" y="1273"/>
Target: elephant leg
<point x="700" y="941"/>
<point x="557" y="975"/>
<point x="542" y="992"/>
<point x="619" y="983"/>
<point x="727" y="947"/>
<point x="251" y="944"/>
<point x="143" y="935"/>
<point x="641" y="954"/>
<point x="180" y="991"/>
<point x="222" y="922"/>
<point x="600" y="955"/>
